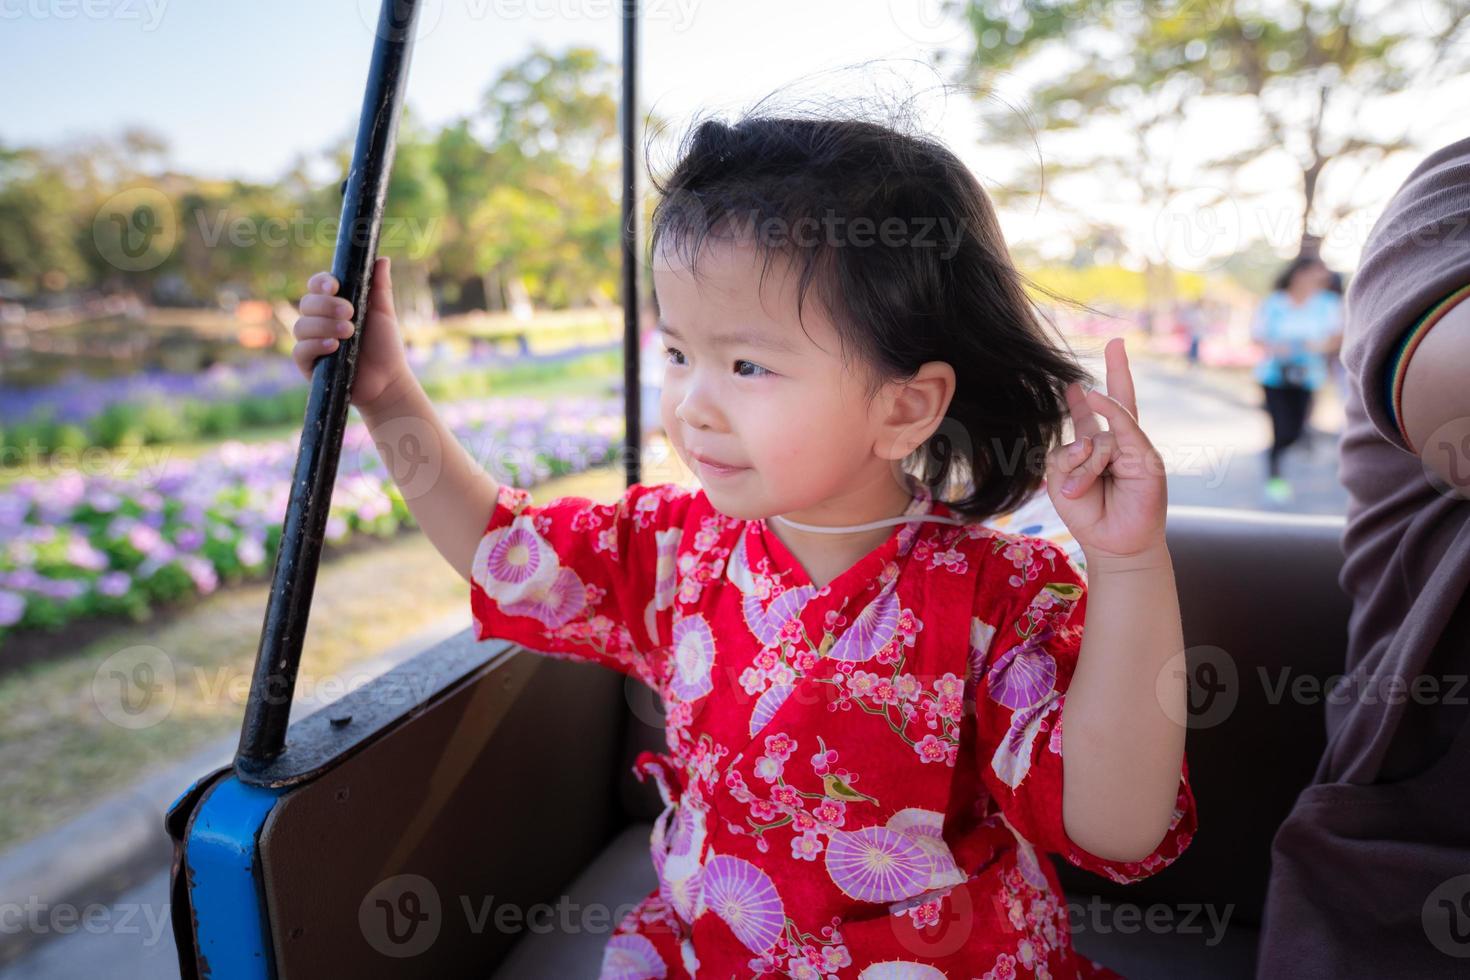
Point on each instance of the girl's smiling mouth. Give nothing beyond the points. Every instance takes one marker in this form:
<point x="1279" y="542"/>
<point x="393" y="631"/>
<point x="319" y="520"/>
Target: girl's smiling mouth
<point x="716" y="469"/>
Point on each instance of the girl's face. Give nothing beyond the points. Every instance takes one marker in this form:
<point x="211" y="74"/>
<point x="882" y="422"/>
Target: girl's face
<point x="745" y="385"/>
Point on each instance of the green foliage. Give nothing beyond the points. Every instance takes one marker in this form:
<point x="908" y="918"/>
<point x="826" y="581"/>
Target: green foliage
<point x="525" y="189"/>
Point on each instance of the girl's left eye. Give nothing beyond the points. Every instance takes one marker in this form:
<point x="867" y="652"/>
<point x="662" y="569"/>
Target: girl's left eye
<point x="754" y="365"/>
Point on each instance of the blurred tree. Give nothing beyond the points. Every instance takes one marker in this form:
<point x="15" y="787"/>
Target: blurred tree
<point x="1118" y="82"/>
<point x="40" y="231"/>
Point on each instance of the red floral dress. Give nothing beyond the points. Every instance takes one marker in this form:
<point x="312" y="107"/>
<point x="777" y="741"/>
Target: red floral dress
<point x="862" y="780"/>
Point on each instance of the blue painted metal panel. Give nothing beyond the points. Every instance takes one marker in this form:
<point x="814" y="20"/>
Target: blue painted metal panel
<point x="230" y="928"/>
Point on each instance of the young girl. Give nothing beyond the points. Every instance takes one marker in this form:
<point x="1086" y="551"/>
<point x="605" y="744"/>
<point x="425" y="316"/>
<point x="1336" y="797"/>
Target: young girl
<point x="865" y="711"/>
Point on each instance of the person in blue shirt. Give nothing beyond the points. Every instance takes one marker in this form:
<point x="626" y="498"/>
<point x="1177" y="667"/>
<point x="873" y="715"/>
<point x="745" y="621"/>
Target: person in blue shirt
<point x="1297" y="324"/>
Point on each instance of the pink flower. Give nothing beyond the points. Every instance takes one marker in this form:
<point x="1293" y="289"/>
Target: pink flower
<point x="830" y="812"/>
<point x="835" y="958"/>
<point x="764" y="811"/>
<point x="786" y="796"/>
<point x="862" y="683"/>
<point x="1004" y="969"/>
<point x="949" y="686"/>
<point x="806" y="847"/>
<point x="768" y="769"/>
<point x="889" y="653"/>
<point x="779" y="745"/>
<point x="931" y="749"/>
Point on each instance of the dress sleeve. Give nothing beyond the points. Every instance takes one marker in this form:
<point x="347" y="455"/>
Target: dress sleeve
<point x="1023" y="660"/>
<point x="581" y="580"/>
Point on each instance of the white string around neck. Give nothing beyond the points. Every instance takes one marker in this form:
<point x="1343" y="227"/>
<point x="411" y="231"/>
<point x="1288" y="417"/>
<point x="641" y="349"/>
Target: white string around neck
<point x="920" y="498"/>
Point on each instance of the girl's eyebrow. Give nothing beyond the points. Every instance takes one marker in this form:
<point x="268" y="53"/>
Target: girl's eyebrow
<point x="737" y="338"/>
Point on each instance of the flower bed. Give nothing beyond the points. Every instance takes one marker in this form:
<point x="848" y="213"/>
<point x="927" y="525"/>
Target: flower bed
<point x="160" y="407"/>
<point x="80" y="546"/>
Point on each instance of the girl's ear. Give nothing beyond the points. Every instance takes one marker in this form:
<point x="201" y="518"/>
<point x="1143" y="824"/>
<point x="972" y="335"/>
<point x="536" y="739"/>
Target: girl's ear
<point x="915" y="408"/>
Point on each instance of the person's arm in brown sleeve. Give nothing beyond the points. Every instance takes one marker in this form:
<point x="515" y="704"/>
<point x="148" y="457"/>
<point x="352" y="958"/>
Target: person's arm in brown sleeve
<point x="1433" y="397"/>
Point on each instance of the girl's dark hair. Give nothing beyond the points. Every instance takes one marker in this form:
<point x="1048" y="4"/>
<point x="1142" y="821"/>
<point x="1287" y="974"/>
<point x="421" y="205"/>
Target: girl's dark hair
<point x="1284" y="278"/>
<point x="937" y="285"/>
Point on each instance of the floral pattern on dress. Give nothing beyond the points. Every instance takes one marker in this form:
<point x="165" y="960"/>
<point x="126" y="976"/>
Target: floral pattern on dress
<point x="851" y="769"/>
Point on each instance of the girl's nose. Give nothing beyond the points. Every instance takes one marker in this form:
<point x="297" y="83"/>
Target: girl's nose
<point x="694" y="410"/>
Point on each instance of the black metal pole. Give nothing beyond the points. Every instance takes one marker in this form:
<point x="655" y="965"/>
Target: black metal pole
<point x="268" y="710"/>
<point x="632" y="333"/>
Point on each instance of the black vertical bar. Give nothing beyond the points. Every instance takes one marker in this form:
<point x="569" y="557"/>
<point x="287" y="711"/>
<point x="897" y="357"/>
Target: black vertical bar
<point x="632" y="402"/>
<point x="268" y="710"/>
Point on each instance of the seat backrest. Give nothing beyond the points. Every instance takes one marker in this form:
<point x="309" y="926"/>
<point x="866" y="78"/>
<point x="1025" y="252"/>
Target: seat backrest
<point x="1265" y="627"/>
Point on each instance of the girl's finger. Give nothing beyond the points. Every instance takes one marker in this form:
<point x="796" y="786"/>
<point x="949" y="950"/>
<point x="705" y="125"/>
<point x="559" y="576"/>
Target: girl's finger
<point x="1084" y="423"/>
<point x="323" y="282"/>
<point x="1064" y="459"/>
<point x="309" y="327"/>
<point x="1083" y="476"/>
<point x="319" y="304"/>
<point x="1121" y="422"/>
<point x="1120" y="377"/>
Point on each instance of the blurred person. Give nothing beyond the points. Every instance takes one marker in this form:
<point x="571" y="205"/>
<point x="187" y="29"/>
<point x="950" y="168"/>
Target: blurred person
<point x="1295" y="324"/>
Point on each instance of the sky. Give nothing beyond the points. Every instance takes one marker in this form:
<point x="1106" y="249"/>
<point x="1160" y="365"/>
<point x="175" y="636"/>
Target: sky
<point x="241" y="89"/>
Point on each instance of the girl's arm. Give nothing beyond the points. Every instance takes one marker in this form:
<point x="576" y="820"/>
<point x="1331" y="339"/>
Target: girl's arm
<point x="1121" y="721"/>
<point x="1124" y="719"/>
<point x="449" y="494"/>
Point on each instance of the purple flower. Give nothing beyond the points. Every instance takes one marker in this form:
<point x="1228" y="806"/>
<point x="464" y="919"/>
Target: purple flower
<point x="250" y="551"/>
<point x="12" y="607"/>
<point x="114" y="584"/>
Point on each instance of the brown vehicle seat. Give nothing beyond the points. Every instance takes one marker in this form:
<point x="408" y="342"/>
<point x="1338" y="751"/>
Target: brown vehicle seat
<point x="483" y="792"/>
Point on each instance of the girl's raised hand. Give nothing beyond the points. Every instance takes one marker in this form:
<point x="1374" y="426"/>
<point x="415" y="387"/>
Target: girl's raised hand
<point x="1108" y="485"/>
